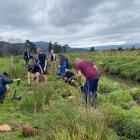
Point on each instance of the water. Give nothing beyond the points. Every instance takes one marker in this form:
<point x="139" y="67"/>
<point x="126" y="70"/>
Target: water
<point x="129" y="83"/>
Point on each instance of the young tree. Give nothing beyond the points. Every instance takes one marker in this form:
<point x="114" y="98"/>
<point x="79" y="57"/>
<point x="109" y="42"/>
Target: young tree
<point x="15" y="46"/>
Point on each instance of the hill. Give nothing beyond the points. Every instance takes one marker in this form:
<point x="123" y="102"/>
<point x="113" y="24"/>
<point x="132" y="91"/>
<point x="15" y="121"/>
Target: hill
<point x="125" y="46"/>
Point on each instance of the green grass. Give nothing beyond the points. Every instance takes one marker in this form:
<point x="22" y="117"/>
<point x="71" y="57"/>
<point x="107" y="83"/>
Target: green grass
<point x="125" y="64"/>
<point x="117" y="116"/>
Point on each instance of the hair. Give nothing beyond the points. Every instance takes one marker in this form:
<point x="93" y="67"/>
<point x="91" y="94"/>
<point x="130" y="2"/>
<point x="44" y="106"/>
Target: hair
<point x="77" y="60"/>
<point x="39" y="50"/>
<point x="5" y="73"/>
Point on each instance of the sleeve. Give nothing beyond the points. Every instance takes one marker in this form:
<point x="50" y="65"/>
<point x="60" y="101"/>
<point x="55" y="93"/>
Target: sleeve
<point x="7" y="80"/>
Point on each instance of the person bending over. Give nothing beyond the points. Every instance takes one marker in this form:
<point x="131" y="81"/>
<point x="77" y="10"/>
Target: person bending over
<point x="4" y="80"/>
<point x="92" y="75"/>
<point x="70" y="78"/>
<point x="34" y="69"/>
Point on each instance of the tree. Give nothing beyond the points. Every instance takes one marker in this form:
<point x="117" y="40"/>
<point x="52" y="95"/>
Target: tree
<point x="92" y="49"/>
<point x="65" y="47"/>
<point x="120" y="49"/>
<point x="50" y="47"/>
<point x="133" y="48"/>
<point x="56" y="47"/>
<point x="31" y="46"/>
<point x="15" y="46"/>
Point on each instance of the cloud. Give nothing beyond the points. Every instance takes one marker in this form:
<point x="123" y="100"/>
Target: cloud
<point x="77" y="22"/>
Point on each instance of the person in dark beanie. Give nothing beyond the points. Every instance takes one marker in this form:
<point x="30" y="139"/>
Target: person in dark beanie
<point x="4" y="80"/>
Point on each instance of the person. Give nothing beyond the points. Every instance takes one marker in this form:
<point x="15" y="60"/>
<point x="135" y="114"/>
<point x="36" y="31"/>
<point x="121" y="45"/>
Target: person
<point x="53" y="60"/>
<point x="92" y="75"/>
<point x="4" y="80"/>
<point x="27" y="56"/>
<point x="34" y="69"/>
<point x="53" y="56"/>
<point x="62" y="65"/>
<point x="43" y="63"/>
<point x="69" y="77"/>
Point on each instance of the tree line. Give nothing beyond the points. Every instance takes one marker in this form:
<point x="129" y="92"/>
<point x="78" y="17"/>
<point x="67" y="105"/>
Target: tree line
<point x="57" y="47"/>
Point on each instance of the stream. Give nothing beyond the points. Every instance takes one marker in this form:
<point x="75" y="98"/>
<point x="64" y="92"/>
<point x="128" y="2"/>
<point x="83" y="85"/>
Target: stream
<point x="127" y="82"/>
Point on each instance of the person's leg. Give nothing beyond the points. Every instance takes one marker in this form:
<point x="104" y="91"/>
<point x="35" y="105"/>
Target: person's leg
<point x="27" y="61"/>
<point x="29" y="78"/>
<point x="86" y="92"/>
<point x="37" y="77"/>
<point x="93" y="89"/>
<point x="63" y="71"/>
<point x="3" y="93"/>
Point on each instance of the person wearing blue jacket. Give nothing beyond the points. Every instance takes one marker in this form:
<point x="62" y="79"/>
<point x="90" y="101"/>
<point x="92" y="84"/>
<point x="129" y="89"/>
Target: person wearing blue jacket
<point x="62" y="65"/>
<point x="4" y="80"/>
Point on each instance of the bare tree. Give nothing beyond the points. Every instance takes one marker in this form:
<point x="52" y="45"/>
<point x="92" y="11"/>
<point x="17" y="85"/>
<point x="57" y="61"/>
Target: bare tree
<point x="15" y="46"/>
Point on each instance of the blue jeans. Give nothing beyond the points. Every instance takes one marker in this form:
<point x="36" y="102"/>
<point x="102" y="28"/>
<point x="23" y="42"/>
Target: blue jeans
<point x="91" y="86"/>
<point x="63" y="70"/>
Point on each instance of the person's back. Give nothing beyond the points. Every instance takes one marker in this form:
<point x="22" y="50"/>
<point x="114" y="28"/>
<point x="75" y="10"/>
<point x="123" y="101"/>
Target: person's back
<point x="69" y="74"/>
<point x="88" y="69"/>
<point x="42" y="58"/>
<point x="4" y="80"/>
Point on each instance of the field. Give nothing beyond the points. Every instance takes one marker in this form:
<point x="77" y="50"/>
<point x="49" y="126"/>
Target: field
<point x="117" y="116"/>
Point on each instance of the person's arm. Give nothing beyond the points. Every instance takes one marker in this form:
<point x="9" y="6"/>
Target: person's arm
<point x="41" y="69"/>
<point x="8" y="81"/>
<point x="45" y="65"/>
<point x="16" y="80"/>
<point x="31" y="57"/>
<point x="79" y="74"/>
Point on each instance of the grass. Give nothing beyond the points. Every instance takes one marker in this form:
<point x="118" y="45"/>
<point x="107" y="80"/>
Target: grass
<point x="125" y="64"/>
<point x="117" y="116"/>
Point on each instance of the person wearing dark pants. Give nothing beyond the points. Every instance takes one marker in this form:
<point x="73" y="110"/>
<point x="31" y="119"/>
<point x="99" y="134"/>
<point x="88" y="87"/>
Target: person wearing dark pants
<point x="92" y="75"/>
<point x="27" y="56"/>
<point x="42" y="58"/>
<point x="4" y="80"/>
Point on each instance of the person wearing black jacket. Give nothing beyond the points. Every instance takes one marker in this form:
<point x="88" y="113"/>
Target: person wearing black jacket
<point x="27" y="56"/>
<point x="4" y="80"/>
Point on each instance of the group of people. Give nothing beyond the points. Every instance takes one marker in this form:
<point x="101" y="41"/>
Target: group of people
<point x="38" y="67"/>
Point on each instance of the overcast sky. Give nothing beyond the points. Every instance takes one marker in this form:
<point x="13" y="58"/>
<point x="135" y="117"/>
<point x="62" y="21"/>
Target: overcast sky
<point x="80" y="23"/>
